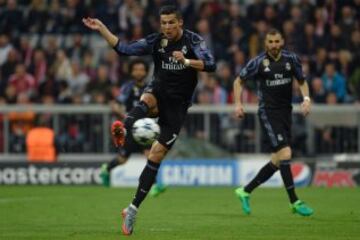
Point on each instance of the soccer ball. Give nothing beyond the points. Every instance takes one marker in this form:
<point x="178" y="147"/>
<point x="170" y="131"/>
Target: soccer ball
<point x="145" y="131"/>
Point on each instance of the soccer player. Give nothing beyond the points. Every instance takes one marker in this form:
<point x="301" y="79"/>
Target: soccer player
<point x="129" y="98"/>
<point x="178" y="54"/>
<point x="273" y="71"/>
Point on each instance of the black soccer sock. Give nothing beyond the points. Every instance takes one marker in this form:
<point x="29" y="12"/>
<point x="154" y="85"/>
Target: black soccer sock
<point x="112" y="164"/>
<point x="287" y="178"/>
<point x="139" y="111"/>
<point x="146" y="180"/>
<point x="118" y="160"/>
<point x="263" y="175"/>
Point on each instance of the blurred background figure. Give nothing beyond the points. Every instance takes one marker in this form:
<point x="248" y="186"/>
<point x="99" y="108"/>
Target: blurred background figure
<point x="41" y="145"/>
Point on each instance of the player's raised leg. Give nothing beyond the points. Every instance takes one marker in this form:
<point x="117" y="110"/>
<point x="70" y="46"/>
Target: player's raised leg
<point x="146" y="106"/>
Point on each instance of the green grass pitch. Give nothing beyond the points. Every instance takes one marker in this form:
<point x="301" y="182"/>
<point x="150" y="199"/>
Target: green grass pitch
<point x="56" y="212"/>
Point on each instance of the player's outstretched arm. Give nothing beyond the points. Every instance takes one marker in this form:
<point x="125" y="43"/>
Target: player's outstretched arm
<point x="96" y="25"/>
<point x="238" y="86"/>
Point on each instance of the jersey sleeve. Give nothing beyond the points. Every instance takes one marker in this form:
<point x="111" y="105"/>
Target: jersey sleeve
<point x="202" y="52"/>
<point x="297" y="72"/>
<point x="143" y="46"/>
<point x="124" y="93"/>
<point x="250" y="70"/>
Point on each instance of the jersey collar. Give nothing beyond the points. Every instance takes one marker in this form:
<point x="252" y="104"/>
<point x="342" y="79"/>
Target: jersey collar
<point x="275" y="59"/>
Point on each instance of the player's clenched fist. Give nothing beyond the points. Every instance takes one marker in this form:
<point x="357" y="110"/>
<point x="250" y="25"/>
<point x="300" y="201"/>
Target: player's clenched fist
<point x="305" y="107"/>
<point x="239" y="111"/>
<point x="179" y="56"/>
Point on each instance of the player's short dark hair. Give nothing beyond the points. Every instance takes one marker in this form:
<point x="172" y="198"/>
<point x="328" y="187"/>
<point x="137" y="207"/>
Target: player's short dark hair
<point x="274" y="31"/>
<point x="170" y="9"/>
<point x="138" y="61"/>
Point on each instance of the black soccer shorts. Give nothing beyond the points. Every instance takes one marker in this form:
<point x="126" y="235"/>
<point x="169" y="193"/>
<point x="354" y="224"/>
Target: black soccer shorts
<point x="172" y="114"/>
<point x="276" y="127"/>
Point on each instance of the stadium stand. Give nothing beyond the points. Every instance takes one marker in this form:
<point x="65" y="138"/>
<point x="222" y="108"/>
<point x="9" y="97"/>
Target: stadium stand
<point x="48" y="57"/>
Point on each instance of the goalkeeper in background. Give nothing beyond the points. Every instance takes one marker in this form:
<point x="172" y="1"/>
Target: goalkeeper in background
<point x="129" y="97"/>
<point x="273" y="72"/>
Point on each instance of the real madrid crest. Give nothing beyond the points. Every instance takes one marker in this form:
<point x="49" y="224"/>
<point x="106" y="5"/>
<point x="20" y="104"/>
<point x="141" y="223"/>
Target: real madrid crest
<point x="163" y="42"/>
<point x="184" y="50"/>
<point x="287" y="66"/>
<point x="266" y="64"/>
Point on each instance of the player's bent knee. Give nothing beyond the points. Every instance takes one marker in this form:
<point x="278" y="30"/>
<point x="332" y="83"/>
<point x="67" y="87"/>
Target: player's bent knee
<point x="284" y="154"/>
<point x="154" y="112"/>
<point x="275" y="161"/>
<point x="157" y="152"/>
<point x="149" y="99"/>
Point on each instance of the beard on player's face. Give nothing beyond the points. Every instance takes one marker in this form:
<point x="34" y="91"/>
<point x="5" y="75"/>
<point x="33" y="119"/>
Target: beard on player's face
<point x="274" y="51"/>
<point x="274" y="44"/>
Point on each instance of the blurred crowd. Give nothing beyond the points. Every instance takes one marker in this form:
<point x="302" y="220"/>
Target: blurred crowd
<point x="47" y="56"/>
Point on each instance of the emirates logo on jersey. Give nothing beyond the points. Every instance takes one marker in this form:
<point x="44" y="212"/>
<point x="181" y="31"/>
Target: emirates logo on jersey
<point x="173" y="64"/>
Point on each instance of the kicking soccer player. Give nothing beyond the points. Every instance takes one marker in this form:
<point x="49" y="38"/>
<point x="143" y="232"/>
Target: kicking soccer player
<point x="178" y="54"/>
<point x="274" y="71"/>
<point x="129" y="98"/>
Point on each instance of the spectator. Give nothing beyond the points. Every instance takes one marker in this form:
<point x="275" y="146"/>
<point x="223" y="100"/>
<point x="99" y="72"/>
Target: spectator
<point x="12" y="19"/>
<point x="22" y="81"/>
<point x="334" y="82"/>
<point x="5" y="48"/>
<point x="78" y="80"/>
<point x="335" y="42"/>
<point x="255" y="10"/>
<point x="78" y="48"/>
<point x="20" y="124"/>
<point x="239" y="61"/>
<point x="89" y="64"/>
<point x="38" y="67"/>
<point x="7" y="69"/>
<point x="64" y="96"/>
<point x="347" y="23"/>
<point x="62" y="67"/>
<point x="36" y="18"/>
<point x="26" y="51"/>
<point x="115" y="72"/>
<point x="51" y="48"/>
<point x="317" y="67"/>
<point x="225" y="78"/>
<point x="318" y="92"/>
<point x="216" y="94"/>
<point x="354" y="47"/>
<point x="354" y="84"/>
<point x="100" y="84"/>
<point x="307" y="10"/>
<point x="282" y="8"/>
<point x="54" y="22"/>
<point x="345" y="63"/>
<point x="203" y="28"/>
